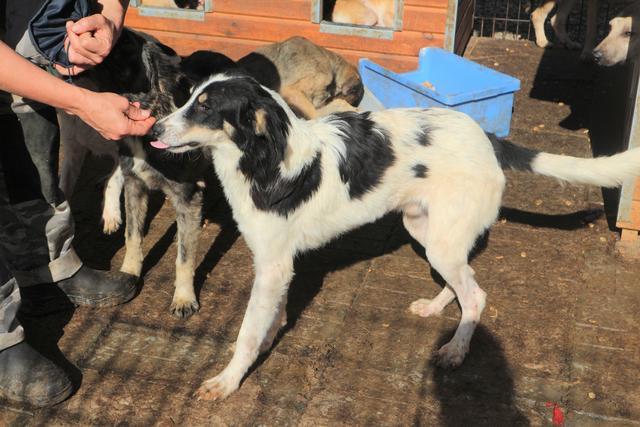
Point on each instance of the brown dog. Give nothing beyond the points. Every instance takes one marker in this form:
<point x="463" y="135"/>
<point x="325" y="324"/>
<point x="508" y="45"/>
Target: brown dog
<point x="378" y="13"/>
<point x="312" y="80"/>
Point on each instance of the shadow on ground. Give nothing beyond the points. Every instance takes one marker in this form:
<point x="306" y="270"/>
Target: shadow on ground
<point x="479" y="393"/>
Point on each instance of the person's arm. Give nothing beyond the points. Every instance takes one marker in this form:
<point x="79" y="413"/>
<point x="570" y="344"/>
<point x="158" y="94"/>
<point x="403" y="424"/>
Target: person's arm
<point x="110" y="114"/>
<point x="92" y="38"/>
<point x="114" y="11"/>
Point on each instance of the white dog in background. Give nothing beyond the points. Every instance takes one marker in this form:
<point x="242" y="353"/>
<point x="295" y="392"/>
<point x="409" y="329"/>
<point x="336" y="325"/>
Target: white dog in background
<point x="623" y="41"/>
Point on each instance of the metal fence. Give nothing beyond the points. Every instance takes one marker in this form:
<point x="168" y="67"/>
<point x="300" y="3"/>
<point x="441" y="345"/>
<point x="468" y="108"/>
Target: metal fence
<point x="509" y="19"/>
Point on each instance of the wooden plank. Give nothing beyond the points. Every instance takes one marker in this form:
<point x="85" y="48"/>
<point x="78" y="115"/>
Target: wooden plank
<point x="397" y="63"/>
<point x="416" y="19"/>
<point x="286" y="9"/>
<point x="185" y="44"/>
<point x="627" y="225"/>
<point x="442" y="4"/>
<point x="272" y="30"/>
<point x="635" y="215"/>
<point x="636" y="190"/>
<point x="629" y="235"/>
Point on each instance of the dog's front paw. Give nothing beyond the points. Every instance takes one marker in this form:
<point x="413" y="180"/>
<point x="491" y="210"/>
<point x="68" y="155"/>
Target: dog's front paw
<point x="216" y="388"/>
<point x="111" y="222"/>
<point x="451" y="355"/>
<point x="183" y="308"/>
<point x="424" y="308"/>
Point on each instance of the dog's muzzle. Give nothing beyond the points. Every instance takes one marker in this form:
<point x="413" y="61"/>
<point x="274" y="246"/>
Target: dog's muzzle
<point x="156" y="131"/>
<point x="597" y="55"/>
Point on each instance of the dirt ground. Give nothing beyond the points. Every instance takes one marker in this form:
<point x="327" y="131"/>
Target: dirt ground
<point x="558" y="328"/>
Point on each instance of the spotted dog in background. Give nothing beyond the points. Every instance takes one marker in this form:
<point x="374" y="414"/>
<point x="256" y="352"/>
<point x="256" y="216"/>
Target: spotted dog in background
<point x="294" y="185"/>
<point x="143" y="70"/>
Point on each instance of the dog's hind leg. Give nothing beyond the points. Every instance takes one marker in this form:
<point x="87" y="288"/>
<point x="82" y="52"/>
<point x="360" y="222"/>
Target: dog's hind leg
<point x="298" y="101"/>
<point x="267" y="301"/>
<point x="415" y="220"/>
<point x="456" y="219"/>
<point x="337" y="105"/>
<point x="189" y="215"/>
<point x="538" y="18"/>
<point x="111" y="214"/>
<point x="136" y="201"/>
<point x="559" y="24"/>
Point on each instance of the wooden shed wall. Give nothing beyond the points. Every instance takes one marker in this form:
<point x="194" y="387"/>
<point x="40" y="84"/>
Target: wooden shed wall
<point x="237" y="27"/>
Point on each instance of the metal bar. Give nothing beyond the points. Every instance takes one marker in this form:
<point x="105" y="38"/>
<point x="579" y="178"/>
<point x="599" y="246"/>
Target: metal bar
<point x="173" y="13"/>
<point x="356" y="30"/>
<point x="518" y="20"/>
<point x="316" y="11"/>
<point x="399" y="11"/>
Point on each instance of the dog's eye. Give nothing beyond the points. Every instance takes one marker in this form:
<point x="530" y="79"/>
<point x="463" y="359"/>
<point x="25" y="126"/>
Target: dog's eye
<point x="628" y="33"/>
<point x="202" y="107"/>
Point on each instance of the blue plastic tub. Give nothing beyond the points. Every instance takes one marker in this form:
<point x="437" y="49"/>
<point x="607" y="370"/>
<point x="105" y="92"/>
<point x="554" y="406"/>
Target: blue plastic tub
<point x="449" y="81"/>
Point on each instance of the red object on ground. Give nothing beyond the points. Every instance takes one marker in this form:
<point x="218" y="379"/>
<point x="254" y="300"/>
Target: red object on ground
<point x="558" y="416"/>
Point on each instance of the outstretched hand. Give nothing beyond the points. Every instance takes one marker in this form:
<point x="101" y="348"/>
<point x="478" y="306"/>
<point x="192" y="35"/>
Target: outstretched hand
<point x="114" y="117"/>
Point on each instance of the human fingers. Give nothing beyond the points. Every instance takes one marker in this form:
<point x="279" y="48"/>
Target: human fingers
<point x="90" y="24"/>
<point x="134" y="112"/>
<point x="140" y="127"/>
<point x="78" y="54"/>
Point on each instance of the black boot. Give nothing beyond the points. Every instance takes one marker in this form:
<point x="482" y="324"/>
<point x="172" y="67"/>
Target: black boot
<point x="87" y="287"/>
<point x="29" y="377"/>
<point x="99" y="288"/>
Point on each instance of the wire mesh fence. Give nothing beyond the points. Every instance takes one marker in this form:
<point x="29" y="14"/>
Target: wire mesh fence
<point x="510" y="19"/>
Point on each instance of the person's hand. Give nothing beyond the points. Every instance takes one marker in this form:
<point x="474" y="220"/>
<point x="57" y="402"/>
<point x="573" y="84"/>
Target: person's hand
<point x="89" y="41"/>
<point x="113" y="116"/>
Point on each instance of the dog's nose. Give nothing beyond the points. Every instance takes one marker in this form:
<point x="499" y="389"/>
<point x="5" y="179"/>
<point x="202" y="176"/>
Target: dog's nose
<point x="157" y="130"/>
<point x="597" y="55"/>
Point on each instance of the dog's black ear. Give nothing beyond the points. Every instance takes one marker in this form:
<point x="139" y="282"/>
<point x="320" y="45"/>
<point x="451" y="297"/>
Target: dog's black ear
<point x="260" y="123"/>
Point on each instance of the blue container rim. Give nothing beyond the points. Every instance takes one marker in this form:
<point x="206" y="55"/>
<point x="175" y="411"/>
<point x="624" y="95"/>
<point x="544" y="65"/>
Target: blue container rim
<point x="507" y="84"/>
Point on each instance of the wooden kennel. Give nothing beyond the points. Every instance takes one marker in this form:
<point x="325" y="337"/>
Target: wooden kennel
<point x="628" y="219"/>
<point x="237" y="27"/>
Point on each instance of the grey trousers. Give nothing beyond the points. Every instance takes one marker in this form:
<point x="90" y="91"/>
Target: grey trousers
<point x="36" y="226"/>
<point x="11" y="332"/>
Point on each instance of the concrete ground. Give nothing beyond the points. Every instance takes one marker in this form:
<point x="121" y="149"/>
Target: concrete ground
<point x="558" y="328"/>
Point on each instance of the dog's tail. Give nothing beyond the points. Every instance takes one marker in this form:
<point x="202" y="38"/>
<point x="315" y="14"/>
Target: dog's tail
<point x="609" y="171"/>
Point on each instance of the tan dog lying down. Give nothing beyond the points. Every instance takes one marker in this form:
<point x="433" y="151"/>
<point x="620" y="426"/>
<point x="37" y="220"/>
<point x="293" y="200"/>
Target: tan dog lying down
<point x="378" y="13"/>
<point x="312" y="80"/>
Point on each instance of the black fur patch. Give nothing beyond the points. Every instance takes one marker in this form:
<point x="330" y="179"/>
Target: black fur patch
<point x="424" y="136"/>
<point x="420" y="170"/>
<point x="284" y="195"/>
<point x="511" y="156"/>
<point x="368" y="155"/>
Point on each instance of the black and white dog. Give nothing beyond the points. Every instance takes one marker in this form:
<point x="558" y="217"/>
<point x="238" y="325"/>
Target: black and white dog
<point x="294" y="185"/>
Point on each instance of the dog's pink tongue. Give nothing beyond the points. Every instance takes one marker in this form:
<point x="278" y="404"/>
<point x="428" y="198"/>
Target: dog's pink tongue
<point x="159" y="144"/>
